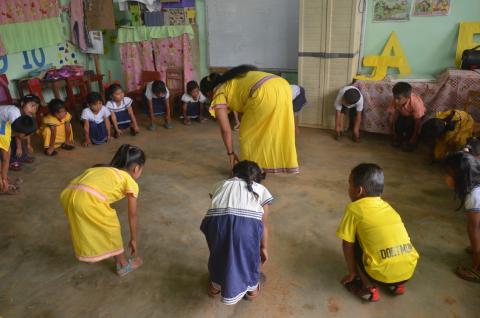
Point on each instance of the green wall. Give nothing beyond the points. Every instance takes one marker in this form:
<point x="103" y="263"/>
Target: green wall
<point x="428" y="42"/>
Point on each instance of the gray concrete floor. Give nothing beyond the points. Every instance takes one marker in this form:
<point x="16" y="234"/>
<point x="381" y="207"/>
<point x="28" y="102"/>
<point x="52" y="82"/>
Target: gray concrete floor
<point x="40" y="277"/>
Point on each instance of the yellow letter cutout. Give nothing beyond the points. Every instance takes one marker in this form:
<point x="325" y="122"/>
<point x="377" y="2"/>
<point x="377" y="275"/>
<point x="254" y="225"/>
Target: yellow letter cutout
<point x="381" y="63"/>
<point x="465" y="38"/>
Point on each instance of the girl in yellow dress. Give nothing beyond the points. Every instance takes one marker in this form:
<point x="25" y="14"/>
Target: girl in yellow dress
<point x="94" y="225"/>
<point x="267" y="132"/>
<point x="447" y="132"/>
<point x="56" y="128"/>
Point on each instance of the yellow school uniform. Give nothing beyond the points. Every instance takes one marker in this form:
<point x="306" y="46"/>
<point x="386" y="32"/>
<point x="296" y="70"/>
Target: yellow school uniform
<point x="388" y="254"/>
<point x="94" y="225"/>
<point x="267" y="132"/>
<point x="456" y="139"/>
<point x="5" y="135"/>
<point x="60" y="137"/>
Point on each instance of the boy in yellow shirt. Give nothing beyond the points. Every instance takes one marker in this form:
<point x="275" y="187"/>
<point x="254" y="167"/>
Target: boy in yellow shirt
<point x="22" y="127"/>
<point x="376" y="245"/>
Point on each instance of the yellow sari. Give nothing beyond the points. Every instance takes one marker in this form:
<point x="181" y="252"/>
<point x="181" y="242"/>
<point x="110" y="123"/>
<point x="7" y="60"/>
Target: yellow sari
<point x="456" y="139"/>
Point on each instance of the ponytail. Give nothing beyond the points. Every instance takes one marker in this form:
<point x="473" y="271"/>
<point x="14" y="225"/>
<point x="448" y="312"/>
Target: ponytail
<point x="126" y="156"/>
<point x="249" y="172"/>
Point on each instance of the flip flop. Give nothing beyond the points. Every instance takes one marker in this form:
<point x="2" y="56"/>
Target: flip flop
<point x="67" y="147"/>
<point x="468" y="274"/>
<point x="251" y="295"/>
<point x="212" y="291"/>
<point x="130" y="267"/>
<point x="15" y="166"/>
<point x="356" y="287"/>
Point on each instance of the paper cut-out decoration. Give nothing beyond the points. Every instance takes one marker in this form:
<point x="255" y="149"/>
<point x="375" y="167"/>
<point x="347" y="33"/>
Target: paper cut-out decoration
<point x="190" y="15"/>
<point x="391" y="10"/>
<point x="392" y="56"/>
<point x="174" y="16"/>
<point x="466" y="39"/>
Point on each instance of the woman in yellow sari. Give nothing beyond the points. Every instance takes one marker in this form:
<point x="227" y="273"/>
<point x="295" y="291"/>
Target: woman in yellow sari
<point x="267" y="132"/>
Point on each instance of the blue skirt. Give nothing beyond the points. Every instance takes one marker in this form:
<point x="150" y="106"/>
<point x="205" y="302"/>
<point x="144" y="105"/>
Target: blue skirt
<point x="234" y="243"/>
<point x="299" y="101"/>
<point x="98" y="132"/>
<point x="159" y="106"/>
<point x="123" y="119"/>
<point x="193" y="109"/>
<point x="13" y="153"/>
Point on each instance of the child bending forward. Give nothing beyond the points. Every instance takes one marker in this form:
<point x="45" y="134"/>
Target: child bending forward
<point x="376" y="244"/>
<point x="236" y="231"/>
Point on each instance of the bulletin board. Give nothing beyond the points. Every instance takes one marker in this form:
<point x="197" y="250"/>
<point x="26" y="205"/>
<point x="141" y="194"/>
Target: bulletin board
<point x="263" y="33"/>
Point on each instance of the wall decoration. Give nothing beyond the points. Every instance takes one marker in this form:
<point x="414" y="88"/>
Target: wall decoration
<point x="392" y="56"/>
<point x="96" y="38"/>
<point x="431" y="7"/>
<point x="391" y="10"/>
<point x="174" y="16"/>
<point x="99" y="15"/>
<point x="66" y="54"/>
<point x="16" y="11"/>
<point x="191" y="15"/>
<point x="466" y="39"/>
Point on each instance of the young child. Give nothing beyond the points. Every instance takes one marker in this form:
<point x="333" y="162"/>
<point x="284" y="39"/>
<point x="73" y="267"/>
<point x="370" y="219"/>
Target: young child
<point x="20" y="152"/>
<point x="349" y="99"/>
<point x="57" y="128"/>
<point x="122" y="115"/>
<point x="376" y="245"/>
<point x="447" y="132"/>
<point x="21" y="128"/>
<point x="299" y="100"/>
<point x="463" y="176"/>
<point x="193" y="103"/>
<point x="405" y="117"/>
<point x="94" y="225"/>
<point x="158" y="104"/>
<point x="235" y="228"/>
<point x="96" y="122"/>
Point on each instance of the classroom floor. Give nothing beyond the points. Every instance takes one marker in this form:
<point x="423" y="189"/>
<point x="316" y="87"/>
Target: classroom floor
<point x="40" y="277"/>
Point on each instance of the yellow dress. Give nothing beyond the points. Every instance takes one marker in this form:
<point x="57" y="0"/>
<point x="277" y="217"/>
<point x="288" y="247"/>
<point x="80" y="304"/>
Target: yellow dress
<point x="94" y="225"/>
<point x="456" y="139"/>
<point x="5" y="135"/>
<point x="267" y="132"/>
<point x="60" y="136"/>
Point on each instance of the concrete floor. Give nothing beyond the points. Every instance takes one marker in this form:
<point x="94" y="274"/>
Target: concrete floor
<point x="40" y="277"/>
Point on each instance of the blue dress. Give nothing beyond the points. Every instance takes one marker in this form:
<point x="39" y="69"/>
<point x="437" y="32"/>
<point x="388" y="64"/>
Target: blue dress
<point x="233" y="229"/>
<point x="98" y="132"/>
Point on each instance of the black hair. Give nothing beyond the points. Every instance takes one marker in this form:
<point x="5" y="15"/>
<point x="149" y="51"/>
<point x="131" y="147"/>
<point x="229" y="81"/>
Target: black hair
<point x="249" y="172"/>
<point x="93" y="98"/>
<point x="473" y="146"/>
<point x="159" y="87"/>
<point x="351" y="96"/>
<point x="191" y="86"/>
<point x="28" y="99"/>
<point x="435" y="128"/>
<point x="465" y="170"/>
<point x="24" y="125"/>
<point x="369" y="176"/>
<point x="208" y="83"/>
<point x="112" y="89"/>
<point x="402" y="89"/>
<point x="128" y="155"/>
<point x="55" y="105"/>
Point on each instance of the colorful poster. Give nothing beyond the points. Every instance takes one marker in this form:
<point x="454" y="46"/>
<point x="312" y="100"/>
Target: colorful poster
<point x="391" y="10"/>
<point x="427" y="8"/>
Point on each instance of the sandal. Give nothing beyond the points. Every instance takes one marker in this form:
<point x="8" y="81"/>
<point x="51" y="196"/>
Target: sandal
<point x="251" y="295"/>
<point x="212" y="291"/>
<point x="67" y="147"/>
<point x="398" y="289"/>
<point x="15" y="166"/>
<point x="356" y="287"/>
<point x="130" y="267"/>
<point x="54" y="153"/>
<point x="468" y="274"/>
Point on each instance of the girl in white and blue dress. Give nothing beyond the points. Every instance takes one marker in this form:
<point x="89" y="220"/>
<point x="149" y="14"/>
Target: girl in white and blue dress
<point x="193" y="103"/>
<point x="235" y="228"/>
<point x="96" y="122"/>
<point x="120" y="106"/>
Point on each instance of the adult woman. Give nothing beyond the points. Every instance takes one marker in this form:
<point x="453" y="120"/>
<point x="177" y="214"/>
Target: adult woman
<point x="267" y="133"/>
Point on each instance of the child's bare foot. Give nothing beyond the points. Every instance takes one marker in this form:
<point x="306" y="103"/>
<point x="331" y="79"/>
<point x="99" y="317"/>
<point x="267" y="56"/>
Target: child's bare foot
<point x="186" y="121"/>
<point x="51" y="152"/>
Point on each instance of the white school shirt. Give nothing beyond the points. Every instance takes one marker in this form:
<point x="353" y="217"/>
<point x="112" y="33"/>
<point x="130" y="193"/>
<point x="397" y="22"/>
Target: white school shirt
<point x="472" y="200"/>
<point x="124" y="104"/>
<point x="149" y="94"/>
<point x="9" y="113"/>
<point x="187" y="98"/>
<point x="98" y="118"/>
<point x="338" y="102"/>
<point x="232" y="197"/>
<point x="295" y="91"/>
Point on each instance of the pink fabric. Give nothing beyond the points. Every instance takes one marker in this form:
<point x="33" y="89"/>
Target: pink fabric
<point x="414" y="107"/>
<point x="15" y="11"/>
<point x="449" y="91"/>
<point x="77" y="24"/>
<point x="169" y="53"/>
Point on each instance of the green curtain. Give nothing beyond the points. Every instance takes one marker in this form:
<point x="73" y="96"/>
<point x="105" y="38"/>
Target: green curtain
<point x="144" y="33"/>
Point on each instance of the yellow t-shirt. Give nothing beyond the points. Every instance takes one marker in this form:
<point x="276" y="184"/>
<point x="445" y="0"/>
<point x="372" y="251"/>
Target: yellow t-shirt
<point x="51" y="120"/>
<point x="388" y="254"/>
<point x="5" y="135"/>
<point x="110" y="183"/>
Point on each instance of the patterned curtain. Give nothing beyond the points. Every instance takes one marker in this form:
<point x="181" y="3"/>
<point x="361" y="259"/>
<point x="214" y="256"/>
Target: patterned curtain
<point x="16" y="11"/>
<point x="136" y="57"/>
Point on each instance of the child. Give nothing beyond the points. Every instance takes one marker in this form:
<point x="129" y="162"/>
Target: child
<point x="57" y="128"/>
<point x="376" y="245"/>
<point x="405" y="117"/>
<point x="21" y="128"/>
<point x="94" y="225"/>
<point x="447" y="132"/>
<point x="235" y="228"/>
<point x="463" y="175"/>
<point x="299" y="100"/>
<point x="95" y="118"/>
<point x="193" y="102"/>
<point x="349" y="99"/>
<point x="19" y="152"/>
<point x="120" y="107"/>
<point x="158" y="104"/>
